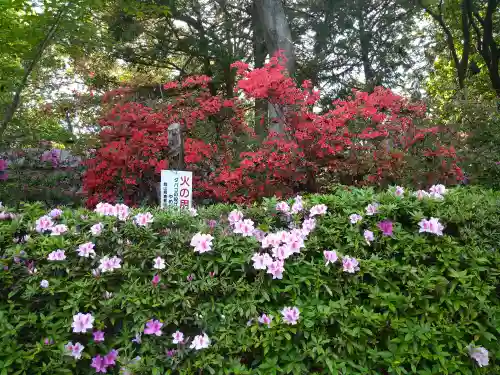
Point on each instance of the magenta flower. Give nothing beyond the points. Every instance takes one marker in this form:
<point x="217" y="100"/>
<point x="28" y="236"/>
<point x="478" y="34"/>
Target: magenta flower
<point x="386" y="227"/>
<point x="431" y="226"/>
<point x="178" y="337"/>
<point x="171" y="352"/>
<point x="330" y="257"/>
<point x="290" y="315"/>
<point x="212" y="223"/>
<point x="98" y="336"/>
<point x="153" y="327"/>
<point x="350" y="265"/>
<point x="98" y="364"/>
<point x="110" y="358"/>
<point x="265" y="319"/>
<point x="156" y="280"/>
<point x="48" y="341"/>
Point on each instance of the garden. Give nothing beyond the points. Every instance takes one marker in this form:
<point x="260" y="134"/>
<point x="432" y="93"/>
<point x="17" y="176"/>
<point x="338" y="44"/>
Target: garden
<point x="336" y="194"/>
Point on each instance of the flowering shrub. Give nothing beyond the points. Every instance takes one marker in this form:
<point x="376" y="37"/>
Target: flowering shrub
<point x="372" y="139"/>
<point x="309" y="291"/>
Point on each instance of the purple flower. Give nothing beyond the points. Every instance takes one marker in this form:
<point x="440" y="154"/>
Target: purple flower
<point x="386" y="227"/>
<point x="290" y="315"/>
<point x="98" y="364"/>
<point x="171" y="352"/>
<point x="212" y="224"/>
<point x="98" y="336"/>
<point x="110" y="358"/>
<point x="153" y="327"/>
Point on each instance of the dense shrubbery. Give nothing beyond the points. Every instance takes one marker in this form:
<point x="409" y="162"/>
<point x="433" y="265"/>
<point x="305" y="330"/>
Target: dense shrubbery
<point x="414" y="306"/>
<point x="369" y="139"/>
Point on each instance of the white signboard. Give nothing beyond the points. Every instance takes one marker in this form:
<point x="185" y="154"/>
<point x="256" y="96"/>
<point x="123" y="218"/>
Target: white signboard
<point x="176" y="189"/>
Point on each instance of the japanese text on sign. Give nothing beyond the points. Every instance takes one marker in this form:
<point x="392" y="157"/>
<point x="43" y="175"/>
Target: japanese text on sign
<point x="176" y="189"/>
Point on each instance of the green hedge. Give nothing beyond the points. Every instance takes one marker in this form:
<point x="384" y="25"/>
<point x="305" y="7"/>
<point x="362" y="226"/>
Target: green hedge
<point x="415" y="305"/>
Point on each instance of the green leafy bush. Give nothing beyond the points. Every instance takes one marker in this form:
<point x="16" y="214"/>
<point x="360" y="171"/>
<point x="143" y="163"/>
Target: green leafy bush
<point x="414" y="306"/>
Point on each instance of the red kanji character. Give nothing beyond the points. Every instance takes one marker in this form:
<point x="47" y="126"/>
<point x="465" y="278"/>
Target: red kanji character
<point x="184" y="203"/>
<point x="185" y="180"/>
<point x="184" y="193"/>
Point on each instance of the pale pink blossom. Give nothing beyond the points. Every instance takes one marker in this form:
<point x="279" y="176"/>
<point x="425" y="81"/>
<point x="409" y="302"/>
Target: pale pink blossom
<point x="438" y="189"/>
<point x="55" y="213"/>
<point x="261" y="261"/>
<point x="74" y="350"/>
<point x="86" y="250"/>
<point x="282" y="252"/>
<point x="436" y="196"/>
<point x="421" y="194"/>
<point x="59" y="229"/>
<point x="177" y="337"/>
<point x="244" y="227"/>
<point x="122" y="211"/>
<point x="369" y="237"/>
<point x="98" y="336"/>
<point x="308" y="226"/>
<point x="330" y="256"/>
<point x="355" y="218"/>
<point x="235" y="216"/>
<point x="153" y="327"/>
<point x="43" y="224"/>
<point x="283" y="207"/>
<point x="258" y="234"/>
<point x="96" y="229"/>
<point x="143" y="220"/>
<point x="57" y="255"/>
<point x="200" y="342"/>
<point x="159" y="263"/>
<point x="276" y="269"/>
<point x="105" y="209"/>
<point x="431" y="226"/>
<point x="265" y="319"/>
<point x="372" y="209"/>
<point x="202" y="242"/>
<point x="399" y="191"/>
<point x="193" y="211"/>
<point x="350" y="265"/>
<point x="82" y="322"/>
<point x="319" y="209"/>
<point x="290" y="315"/>
<point x="479" y="354"/>
<point x="109" y="264"/>
<point x="298" y="205"/>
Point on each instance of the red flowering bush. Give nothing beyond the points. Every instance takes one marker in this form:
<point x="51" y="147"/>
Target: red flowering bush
<point x="378" y="138"/>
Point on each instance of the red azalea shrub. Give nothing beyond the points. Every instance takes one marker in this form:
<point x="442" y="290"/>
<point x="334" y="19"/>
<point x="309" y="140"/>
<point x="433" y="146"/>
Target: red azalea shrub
<point x="378" y="138"/>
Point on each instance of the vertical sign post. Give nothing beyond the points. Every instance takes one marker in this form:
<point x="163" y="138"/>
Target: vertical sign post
<point x="176" y="189"/>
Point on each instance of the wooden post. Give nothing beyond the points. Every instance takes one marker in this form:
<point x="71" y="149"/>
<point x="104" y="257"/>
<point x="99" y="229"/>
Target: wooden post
<point x="175" y="147"/>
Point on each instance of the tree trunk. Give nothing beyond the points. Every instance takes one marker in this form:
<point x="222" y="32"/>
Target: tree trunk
<point x="364" y="42"/>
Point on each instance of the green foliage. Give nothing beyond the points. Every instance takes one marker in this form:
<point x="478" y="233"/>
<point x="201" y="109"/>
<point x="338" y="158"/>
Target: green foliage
<point x="414" y="306"/>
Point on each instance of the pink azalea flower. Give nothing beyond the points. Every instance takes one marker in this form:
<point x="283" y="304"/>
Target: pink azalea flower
<point x="110" y="358"/>
<point x="109" y="264"/>
<point x="96" y="229"/>
<point x="290" y="315"/>
<point x="319" y="209"/>
<point x="421" y="194"/>
<point x="105" y="209"/>
<point x="372" y="209"/>
<point x="143" y="219"/>
<point x="43" y="224"/>
<point x="283" y="207"/>
<point x="354" y="218"/>
<point x="98" y="364"/>
<point x="386" y="227"/>
<point x="159" y="263"/>
<point x="156" y="280"/>
<point x="82" y="322"/>
<point x="436" y="196"/>
<point x="297" y="205"/>
<point x="171" y="352"/>
<point x="98" y="336"/>
<point x="265" y="319"/>
<point x="55" y="213"/>
<point x="399" y="191"/>
<point x="59" y="229"/>
<point x="259" y="234"/>
<point x="431" y="226"/>
<point x="369" y="237"/>
<point x="235" y="216"/>
<point x="261" y="261"/>
<point x="330" y="257"/>
<point x="193" y="212"/>
<point x="350" y="265"/>
<point x="438" y="189"/>
<point x="282" y="252"/>
<point x="57" y="255"/>
<point x="276" y="269"/>
<point x="200" y="342"/>
<point x="74" y="350"/>
<point x="202" y="242"/>
<point x="178" y="337"/>
<point x="153" y="327"/>
<point x="122" y="211"/>
<point x="308" y="226"/>
<point x="86" y="250"/>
